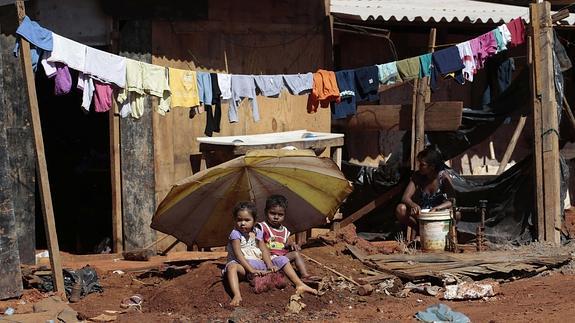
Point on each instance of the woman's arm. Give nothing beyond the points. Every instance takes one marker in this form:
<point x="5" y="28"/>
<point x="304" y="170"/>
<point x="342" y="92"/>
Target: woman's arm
<point x="407" y="198"/>
<point x="240" y="257"/>
<point x="445" y="205"/>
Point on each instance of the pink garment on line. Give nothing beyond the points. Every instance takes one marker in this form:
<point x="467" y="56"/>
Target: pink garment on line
<point x="62" y="79"/>
<point x="517" y="30"/>
<point x="102" y="96"/>
<point x="483" y="47"/>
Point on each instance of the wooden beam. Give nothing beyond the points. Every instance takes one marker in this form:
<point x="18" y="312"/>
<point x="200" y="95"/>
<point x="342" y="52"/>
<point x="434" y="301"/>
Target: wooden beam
<point x="546" y="131"/>
<point x="511" y="146"/>
<point x="42" y="169"/>
<point x="379" y="201"/>
<point x="412" y="158"/>
<point x="440" y="116"/>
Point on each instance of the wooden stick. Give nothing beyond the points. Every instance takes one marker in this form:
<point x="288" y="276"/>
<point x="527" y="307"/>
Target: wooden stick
<point x="41" y="167"/>
<point x="330" y="269"/>
<point x="511" y="146"/>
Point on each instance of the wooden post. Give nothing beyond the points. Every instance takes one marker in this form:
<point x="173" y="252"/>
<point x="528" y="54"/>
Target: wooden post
<point x="546" y="125"/>
<point x="422" y="95"/>
<point x="42" y="170"/>
<point x="511" y="146"/>
<point x="115" y="167"/>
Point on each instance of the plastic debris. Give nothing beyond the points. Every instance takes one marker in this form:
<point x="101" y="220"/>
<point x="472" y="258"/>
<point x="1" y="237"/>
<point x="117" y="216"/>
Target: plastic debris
<point x="441" y="313"/>
<point x="9" y="311"/>
<point x="295" y="304"/>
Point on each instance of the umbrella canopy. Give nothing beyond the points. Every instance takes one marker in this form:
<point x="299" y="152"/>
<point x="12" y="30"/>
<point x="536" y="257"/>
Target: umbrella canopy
<point x="199" y="208"/>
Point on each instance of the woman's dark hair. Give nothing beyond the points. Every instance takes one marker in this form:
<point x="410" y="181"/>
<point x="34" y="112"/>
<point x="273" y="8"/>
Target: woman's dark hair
<point x="431" y="157"/>
<point x="276" y="200"/>
<point x="245" y="206"/>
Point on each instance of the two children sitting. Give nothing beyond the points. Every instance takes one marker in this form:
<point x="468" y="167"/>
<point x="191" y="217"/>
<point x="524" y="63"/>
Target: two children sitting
<point x="258" y="249"/>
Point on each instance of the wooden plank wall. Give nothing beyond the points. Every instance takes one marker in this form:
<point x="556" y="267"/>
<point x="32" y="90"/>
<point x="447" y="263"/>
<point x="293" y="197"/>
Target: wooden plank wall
<point x="21" y="160"/>
<point x="10" y="276"/>
<point x="137" y="160"/>
<point x="259" y="37"/>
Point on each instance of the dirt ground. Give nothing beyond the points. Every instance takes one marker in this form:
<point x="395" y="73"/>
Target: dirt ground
<point x="199" y="295"/>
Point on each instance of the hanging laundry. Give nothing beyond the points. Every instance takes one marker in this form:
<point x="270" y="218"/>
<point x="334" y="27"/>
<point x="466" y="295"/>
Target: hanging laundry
<point x="143" y="78"/>
<point x="408" y="68"/>
<point x="505" y="33"/>
<point x="204" y="88"/>
<point x="68" y="52"/>
<point x="60" y="73"/>
<point x="214" y="112"/>
<point x="299" y="84"/>
<point x="499" y="72"/>
<point x="367" y="83"/>
<point x="424" y="65"/>
<point x="102" y="96"/>
<point x="86" y="84"/>
<point x="387" y="73"/>
<point x="466" y="56"/>
<point x="269" y="85"/>
<point x="243" y="86"/>
<point x="40" y="39"/>
<point x="184" y="88"/>
<point x="324" y="90"/>
<point x="517" y="30"/>
<point x="62" y="80"/>
<point x="483" y="47"/>
<point x="446" y="61"/>
<point x="225" y="85"/>
<point x="346" y="85"/>
<point x="106" y="67"/>
<point x="501" y="44"/>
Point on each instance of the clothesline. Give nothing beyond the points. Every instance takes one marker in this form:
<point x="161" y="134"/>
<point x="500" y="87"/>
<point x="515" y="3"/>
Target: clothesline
<point x="103" y="76"/>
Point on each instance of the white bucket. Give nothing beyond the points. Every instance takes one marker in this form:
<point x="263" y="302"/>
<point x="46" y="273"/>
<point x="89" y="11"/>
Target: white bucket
<point x="433" y="230"/>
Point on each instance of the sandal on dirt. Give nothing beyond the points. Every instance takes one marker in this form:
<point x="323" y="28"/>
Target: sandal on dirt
<point x="132" y="301"/>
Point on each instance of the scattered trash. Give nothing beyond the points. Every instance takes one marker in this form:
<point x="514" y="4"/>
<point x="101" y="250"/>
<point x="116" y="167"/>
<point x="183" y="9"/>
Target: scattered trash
<point x="422" y="288"/>
<point x="134" y="301"/>
<point x="391" y="286"/>
<point x="9" y="311"/>
<point x="76" y="293"/>
<point x="103" y="318"/>
<point x="473" y="290"/>
<point x="86" y="277"/>
<point x="441" y="313"/>
<point x="43" y="254"/>
<point x="365" y="290"/>
<point x="119" y="272"/>
<point x="295" y="305"/>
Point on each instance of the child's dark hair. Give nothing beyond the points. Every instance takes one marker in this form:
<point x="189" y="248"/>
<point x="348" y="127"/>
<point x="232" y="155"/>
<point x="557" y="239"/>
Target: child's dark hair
<point x="432" y="157"/>
<point x="247" y="206"/>
<point x="276" y="200"/>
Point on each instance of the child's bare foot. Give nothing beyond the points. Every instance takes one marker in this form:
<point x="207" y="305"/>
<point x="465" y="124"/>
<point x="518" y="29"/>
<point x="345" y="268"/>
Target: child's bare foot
<point x="236" y="301"/>
<point x="305" y="288"/>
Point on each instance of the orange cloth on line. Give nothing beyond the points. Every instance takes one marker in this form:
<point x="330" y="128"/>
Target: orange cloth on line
<point x="324" y="90"/>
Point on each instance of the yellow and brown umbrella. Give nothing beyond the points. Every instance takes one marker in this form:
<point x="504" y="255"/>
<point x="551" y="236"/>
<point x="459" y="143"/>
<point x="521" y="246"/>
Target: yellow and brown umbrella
<point x="199" y="208"/>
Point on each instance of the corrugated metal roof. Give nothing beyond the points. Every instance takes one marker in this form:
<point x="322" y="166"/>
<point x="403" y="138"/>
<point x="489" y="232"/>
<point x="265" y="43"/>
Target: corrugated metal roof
<point x="432" y="10"/>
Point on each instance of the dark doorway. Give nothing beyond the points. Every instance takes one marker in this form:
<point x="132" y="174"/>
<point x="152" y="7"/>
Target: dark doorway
<point x="78" y="158"/>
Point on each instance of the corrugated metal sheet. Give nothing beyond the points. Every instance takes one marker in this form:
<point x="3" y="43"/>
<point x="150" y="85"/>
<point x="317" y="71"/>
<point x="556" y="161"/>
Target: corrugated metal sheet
<point x="431" y="10"/>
